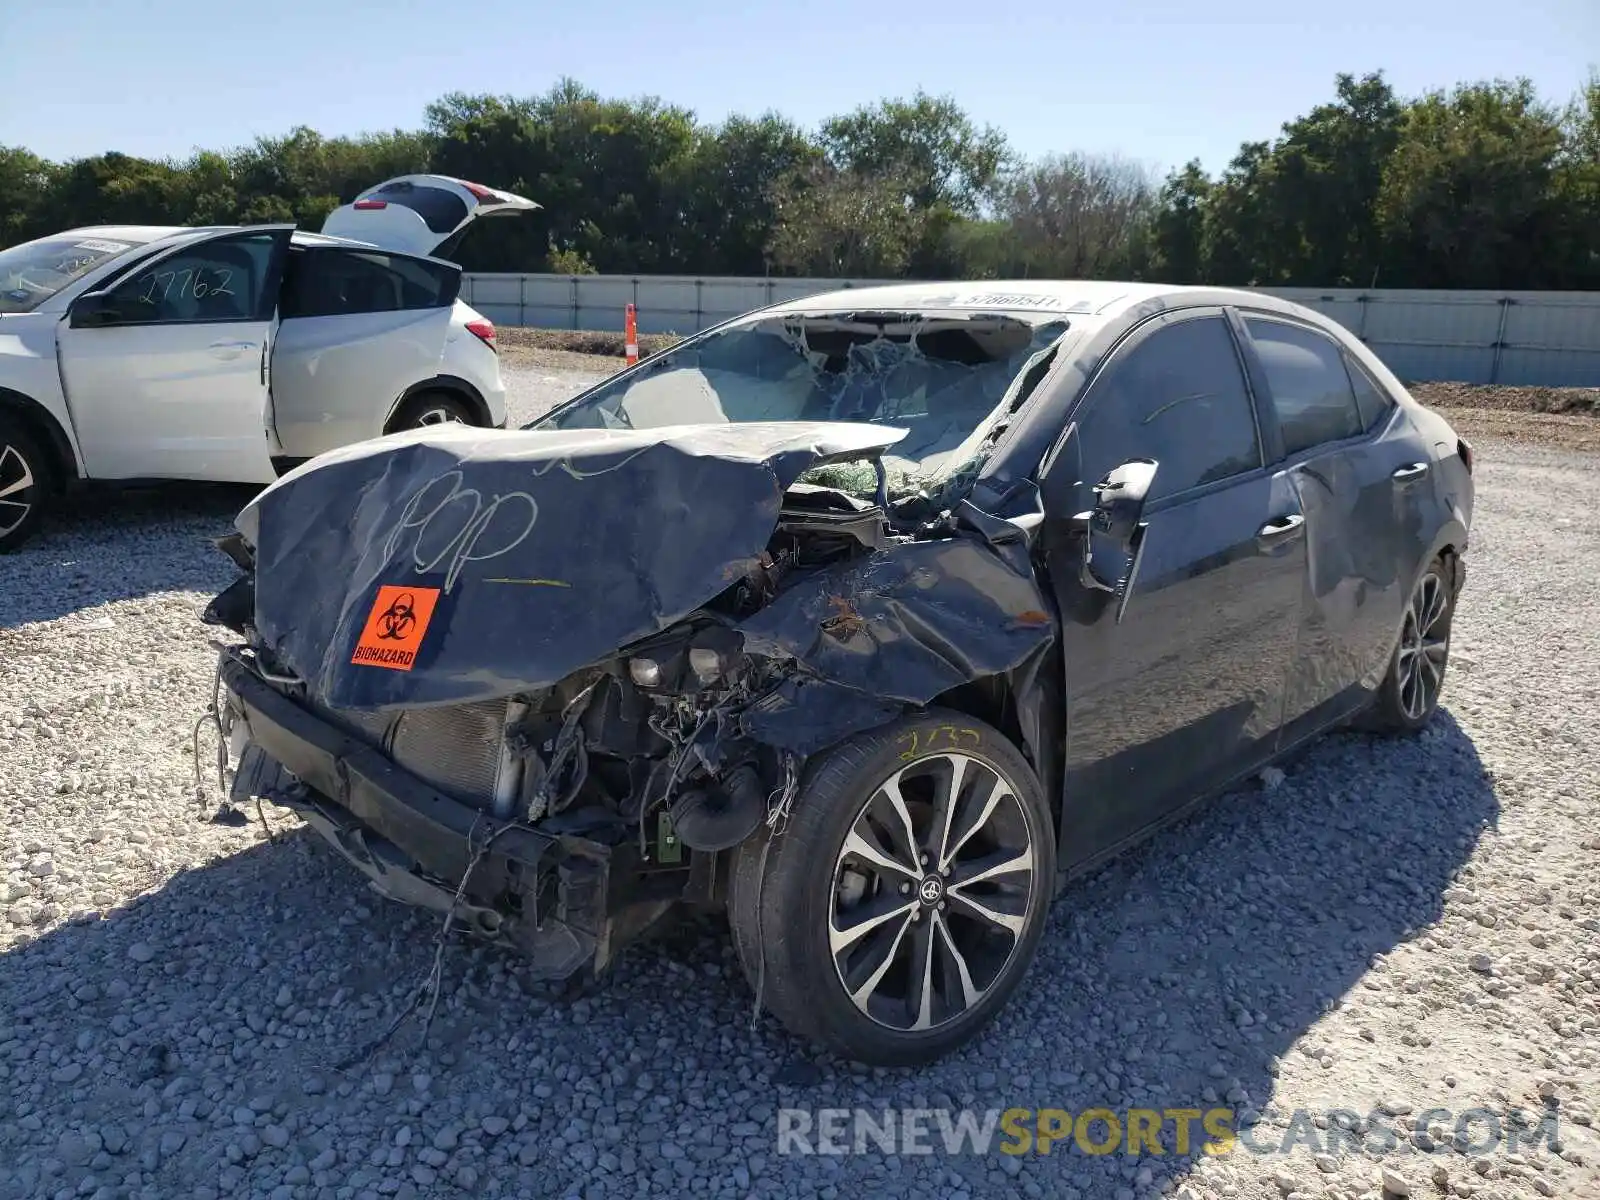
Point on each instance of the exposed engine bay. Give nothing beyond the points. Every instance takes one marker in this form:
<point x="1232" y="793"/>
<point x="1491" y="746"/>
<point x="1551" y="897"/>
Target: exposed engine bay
<point x="584" y="721"/>
<point x="656" y="729"/>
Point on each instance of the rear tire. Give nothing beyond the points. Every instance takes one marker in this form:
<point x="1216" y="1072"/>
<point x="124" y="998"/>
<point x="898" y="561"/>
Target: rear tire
<point x="431" y="408"/>
<point x="27" y="483"/>
<point x="935" y="952"/>
<point x="1409" y="694"/>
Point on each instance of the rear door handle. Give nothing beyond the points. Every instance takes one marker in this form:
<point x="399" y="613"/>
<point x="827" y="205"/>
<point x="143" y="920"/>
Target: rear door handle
<point x="1279" y="530"/>
<point x="1410" y="473"/>
<point x="230" y="349"/>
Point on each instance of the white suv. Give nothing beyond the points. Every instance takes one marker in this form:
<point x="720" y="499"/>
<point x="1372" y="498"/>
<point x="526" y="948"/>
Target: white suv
<point x="133" y="353"/>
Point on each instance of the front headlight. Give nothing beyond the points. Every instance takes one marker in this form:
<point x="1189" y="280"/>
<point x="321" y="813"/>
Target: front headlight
<point x="706" y="663"/>
<point x="687" y="660"/>
<point x="645" y="672"/>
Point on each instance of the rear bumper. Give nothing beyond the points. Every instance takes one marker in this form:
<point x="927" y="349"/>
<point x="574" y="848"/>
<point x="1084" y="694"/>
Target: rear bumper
<point x="545" y="895"/>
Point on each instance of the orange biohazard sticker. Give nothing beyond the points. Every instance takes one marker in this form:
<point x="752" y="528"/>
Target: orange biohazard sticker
<point x="395" y="627"/>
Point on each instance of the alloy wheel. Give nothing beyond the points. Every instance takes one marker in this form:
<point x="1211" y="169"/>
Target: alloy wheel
<point x="16" y="486"/>
<point x="931" y="892"/>
<point x="437" y="416"/>
<point x="1424" y="647"/>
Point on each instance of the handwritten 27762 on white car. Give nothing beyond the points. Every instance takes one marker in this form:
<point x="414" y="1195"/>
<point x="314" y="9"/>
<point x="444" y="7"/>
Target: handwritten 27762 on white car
<point x="136" y="353"/>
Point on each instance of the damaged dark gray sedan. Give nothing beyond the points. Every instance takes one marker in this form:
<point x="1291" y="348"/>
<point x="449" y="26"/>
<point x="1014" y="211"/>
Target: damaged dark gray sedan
<point x="871" y="618"/>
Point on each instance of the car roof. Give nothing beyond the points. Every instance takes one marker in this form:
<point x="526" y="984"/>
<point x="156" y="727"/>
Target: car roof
<point x="1094" y="297"/>
<point x="145" y="235"/>
<point x="138" y="235"/>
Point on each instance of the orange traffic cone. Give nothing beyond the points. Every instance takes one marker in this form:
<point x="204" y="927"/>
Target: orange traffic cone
<point x="631" y="336"/>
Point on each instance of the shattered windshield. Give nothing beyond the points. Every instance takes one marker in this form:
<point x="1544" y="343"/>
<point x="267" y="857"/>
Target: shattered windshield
<point x="34" y="271"/>
<point x="937" y="376"/>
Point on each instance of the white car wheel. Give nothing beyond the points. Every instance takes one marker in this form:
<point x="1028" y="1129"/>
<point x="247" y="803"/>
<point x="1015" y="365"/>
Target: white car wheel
<point x="25" y="484"/>
<point x="429" y="409"/>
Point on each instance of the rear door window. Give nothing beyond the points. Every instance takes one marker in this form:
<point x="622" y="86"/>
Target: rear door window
<point x="1178" y="397"/>
<point x="1310" y="387"/>
<point x="334" y="283"/>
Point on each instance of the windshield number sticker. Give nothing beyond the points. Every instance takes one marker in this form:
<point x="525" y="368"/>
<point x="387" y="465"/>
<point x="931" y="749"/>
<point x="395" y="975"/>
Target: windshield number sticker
<point x="395" y="627"/>
<point x="100" y="247"/>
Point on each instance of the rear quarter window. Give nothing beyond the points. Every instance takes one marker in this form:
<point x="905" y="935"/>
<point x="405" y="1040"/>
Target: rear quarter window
<point x="1374" y="403"/>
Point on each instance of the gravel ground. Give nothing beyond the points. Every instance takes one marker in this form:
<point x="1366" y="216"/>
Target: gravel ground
<point x="1390" y="926"/>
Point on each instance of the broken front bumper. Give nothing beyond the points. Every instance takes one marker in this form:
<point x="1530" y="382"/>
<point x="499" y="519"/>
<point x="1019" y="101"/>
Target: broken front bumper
<point x="545" y="895"/>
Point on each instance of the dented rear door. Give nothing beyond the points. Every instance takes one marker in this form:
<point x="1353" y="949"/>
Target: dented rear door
<point x="1363" y="476"/>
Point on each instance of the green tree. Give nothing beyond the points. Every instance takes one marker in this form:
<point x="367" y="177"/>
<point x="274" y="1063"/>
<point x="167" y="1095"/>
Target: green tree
<point x="1077" y="216"/>
<point x="114" y="189"/>
<point x="1467" y="198"/>
<point x="838" y="223"/>
<point x="304" y="176"/>
<point x="949" y="168"/>
<point x="1177" y="232"/>
<point x="604" y="170"/>
<point x="1482" y="186"/>
<point x="928" y="142"/>
<point x="1238" y="233"/>
<point x="1299" y="210"/>
<point x="728" y="186"/>
<point x="1577" y="187"/>
<point x="25" y="180"/>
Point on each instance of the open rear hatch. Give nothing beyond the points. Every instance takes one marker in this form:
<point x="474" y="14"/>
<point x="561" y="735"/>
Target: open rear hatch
<point x="421" y="214"/>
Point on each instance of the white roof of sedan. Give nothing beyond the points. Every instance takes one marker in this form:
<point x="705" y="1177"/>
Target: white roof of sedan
<point x="140" y="235"/>
<point x="1082" y="297"/>
<point x="136" y="234"/>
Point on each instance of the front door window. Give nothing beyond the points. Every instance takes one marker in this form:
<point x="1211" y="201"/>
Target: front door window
<point x="225" y="279"/>
<point x="1177" y="397"/>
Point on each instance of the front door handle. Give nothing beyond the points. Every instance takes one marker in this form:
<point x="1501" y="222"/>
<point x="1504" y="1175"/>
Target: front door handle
<point x="1280" y="530"/>
<point x="230" y="349"/>
<point x="1410" y="473"/>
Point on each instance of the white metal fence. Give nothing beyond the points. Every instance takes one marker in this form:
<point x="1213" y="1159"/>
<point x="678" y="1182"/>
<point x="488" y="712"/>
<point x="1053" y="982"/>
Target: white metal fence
<point x="1543" y="338"/>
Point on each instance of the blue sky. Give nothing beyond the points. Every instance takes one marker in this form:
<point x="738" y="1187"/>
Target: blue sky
<point x="1160" y="81"/>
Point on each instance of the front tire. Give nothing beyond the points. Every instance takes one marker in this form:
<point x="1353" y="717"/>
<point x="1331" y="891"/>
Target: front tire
<point x="1409" y="694"/>
<point x="903" y="903"/>
<point x="27" y="481"/>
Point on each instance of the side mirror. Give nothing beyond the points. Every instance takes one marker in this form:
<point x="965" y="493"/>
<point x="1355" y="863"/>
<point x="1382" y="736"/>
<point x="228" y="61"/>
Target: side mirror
<point x="91" y="309"/>
<point x="1119" y="499"/>
<point x="1118" y="515"/>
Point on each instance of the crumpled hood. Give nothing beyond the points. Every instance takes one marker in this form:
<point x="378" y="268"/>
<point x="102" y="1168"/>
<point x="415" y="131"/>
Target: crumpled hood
<point x="452" y="564"/>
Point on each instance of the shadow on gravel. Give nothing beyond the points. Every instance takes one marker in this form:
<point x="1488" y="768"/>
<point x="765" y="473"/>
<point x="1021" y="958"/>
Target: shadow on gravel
<point x="1173" y="978"/>
<point x="116" y="544"/>
<point x="1179" y="974"/>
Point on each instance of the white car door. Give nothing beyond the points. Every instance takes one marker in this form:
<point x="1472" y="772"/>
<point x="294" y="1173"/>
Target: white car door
<point x="357" y="328"/>
<point x="166" y="370"/>
<point x="421" y="214"/>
